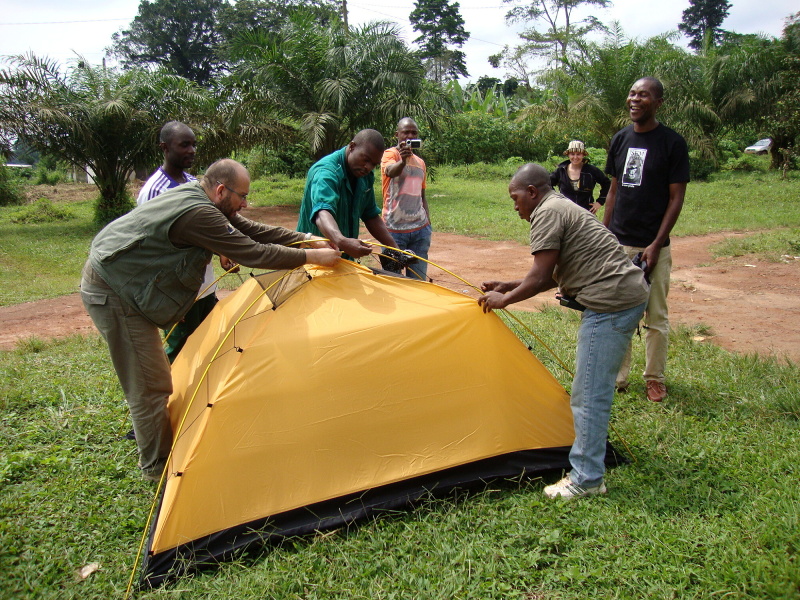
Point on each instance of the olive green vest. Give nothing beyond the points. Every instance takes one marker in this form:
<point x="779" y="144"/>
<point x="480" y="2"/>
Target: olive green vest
<point x="135" y="258"/>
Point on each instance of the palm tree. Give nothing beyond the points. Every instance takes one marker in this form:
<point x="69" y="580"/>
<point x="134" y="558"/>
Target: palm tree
<point x="588" y="96"/>
<point x="96" y="118"/>
<point x="723" y="88"/>
<point x="330" y="82"/>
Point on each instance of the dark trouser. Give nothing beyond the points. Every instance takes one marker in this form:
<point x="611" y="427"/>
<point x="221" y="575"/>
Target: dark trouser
<point x="188" y="324"/>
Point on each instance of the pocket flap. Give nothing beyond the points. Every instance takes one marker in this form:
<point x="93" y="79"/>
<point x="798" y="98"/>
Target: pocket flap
<point x="94" y="298"/>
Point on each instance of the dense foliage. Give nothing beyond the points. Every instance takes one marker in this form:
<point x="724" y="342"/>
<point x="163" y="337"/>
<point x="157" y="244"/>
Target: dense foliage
<point x="182" y="36"/>
<point x="290" y="81"/>
<point x="330" y="82"/>
<point x="190" y="38"/>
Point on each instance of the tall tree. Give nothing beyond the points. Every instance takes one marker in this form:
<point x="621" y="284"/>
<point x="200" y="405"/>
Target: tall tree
<point x="95" y="117"/>
<point x="330" y="82"/>
<point x="441" y="29"/>
<point x="270" y="15"/>
<point x="180" y="35"/>
<point x="561" y="36"/>
<point x="703" y="19"/>
<point x="587" y="98"/>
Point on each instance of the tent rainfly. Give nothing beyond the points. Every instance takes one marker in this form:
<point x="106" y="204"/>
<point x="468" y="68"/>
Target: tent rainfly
<point x="312" y="398"/>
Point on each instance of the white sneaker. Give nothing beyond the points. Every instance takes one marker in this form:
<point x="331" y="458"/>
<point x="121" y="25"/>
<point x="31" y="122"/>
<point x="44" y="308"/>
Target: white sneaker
<point x="566" y="489"/>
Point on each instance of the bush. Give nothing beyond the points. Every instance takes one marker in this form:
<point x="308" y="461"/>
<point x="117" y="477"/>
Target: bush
<point x="700" y="167"/>
<point x="727" y="150"/>
<point x="746" y="163"/>
<point x="10" y="188"/>
<point x="106" y="211"/>
<point x="292" y="160"/>
<point x="597" y="156"/>
<point x="50" y="171"/>
<point x="481" y="171"/>
<point x="47" y="177"/>
<point x="473" y="137"/>
<point x="41" y="211"/>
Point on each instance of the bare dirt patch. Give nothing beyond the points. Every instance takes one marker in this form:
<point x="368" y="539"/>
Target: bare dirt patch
<point x="748" y="304"/>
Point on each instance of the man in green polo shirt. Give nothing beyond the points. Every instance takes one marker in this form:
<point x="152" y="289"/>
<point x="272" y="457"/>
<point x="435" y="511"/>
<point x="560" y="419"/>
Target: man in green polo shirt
<point x="339" y="193"/>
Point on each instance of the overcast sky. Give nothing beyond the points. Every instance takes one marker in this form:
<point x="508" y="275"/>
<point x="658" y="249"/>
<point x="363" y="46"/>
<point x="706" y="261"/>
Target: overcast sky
<point x="60" y="29"/>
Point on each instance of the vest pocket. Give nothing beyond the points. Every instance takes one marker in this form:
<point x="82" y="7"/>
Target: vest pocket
<point x="167" y="297"/>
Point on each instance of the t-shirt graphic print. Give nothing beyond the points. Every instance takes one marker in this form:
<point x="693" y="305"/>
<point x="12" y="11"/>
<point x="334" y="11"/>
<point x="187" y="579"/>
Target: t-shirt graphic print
<point x="634" y="166"/>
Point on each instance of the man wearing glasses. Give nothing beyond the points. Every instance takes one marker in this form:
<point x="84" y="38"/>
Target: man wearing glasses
<point x="145" y="270"/>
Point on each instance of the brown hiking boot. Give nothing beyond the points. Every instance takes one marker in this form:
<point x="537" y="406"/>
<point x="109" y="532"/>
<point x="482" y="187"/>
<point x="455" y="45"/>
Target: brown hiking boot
<point x="656" y="391"/>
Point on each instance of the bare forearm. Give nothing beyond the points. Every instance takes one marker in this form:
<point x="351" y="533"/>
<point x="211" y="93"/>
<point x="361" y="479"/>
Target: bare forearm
<point x="611" y="199"/>
<point x="328" y="227"/>
<point x="530" y="286"/>
<point x="677" y="192"/>
<point x="394" y="169"/>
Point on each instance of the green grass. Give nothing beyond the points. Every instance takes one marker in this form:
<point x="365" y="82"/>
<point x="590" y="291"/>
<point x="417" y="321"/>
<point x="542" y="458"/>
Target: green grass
<point x="740" y="202"/>
<point x="710" y="508"/>
<point x="277" y="190"/>
<point x="775" y="246"/>
<point x="42" y="259"/>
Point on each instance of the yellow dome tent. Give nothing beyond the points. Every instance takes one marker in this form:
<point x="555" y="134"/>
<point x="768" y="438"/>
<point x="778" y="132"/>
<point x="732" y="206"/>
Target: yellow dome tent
<point x="311" y="398"/>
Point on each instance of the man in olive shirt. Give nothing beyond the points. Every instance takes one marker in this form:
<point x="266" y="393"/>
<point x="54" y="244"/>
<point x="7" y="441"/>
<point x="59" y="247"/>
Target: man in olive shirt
<point x="145" y="270"/>
<point x="572" y="250"/>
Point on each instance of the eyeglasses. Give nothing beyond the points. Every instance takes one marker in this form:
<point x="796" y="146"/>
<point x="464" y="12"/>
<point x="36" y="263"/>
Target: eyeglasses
<point x="242" y="196"/>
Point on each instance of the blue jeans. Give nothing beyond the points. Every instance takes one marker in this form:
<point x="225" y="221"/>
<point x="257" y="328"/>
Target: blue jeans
<point x="418" y="242"/>
<point x="603" y="339"/>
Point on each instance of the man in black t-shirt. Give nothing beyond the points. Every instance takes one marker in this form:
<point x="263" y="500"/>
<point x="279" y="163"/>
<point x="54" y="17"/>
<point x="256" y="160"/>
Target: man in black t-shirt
<point x="649" y="168"/>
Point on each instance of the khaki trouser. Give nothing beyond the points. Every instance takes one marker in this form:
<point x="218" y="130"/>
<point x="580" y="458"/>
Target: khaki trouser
<point x="137" y="354"/>
<point x="656" y="321"/>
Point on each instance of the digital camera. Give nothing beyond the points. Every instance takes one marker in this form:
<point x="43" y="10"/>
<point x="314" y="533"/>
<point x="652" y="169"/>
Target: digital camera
<point x="414" y="144"/>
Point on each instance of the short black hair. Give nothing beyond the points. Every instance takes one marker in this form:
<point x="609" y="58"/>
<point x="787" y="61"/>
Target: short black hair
<point x="405" y="120"/>
<point x="171" y="129"/>
<point x="655" y="84"/>
<point x="532" y="174"/>
<point x="371" y="137"/>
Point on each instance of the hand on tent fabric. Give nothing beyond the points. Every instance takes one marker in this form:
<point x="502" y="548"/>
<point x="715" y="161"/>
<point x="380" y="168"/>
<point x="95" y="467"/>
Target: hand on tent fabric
<point x="492" y="301"/>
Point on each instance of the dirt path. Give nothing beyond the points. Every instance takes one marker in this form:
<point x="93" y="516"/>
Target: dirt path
<point x="750" y="305"/>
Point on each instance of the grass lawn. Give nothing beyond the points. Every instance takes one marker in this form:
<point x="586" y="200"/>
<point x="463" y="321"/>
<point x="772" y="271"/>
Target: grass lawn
<point x="709" y="509"/>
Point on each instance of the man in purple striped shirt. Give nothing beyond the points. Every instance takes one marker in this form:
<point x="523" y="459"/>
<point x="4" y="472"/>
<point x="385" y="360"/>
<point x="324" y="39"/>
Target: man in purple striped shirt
<point x="179" y="144"/>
